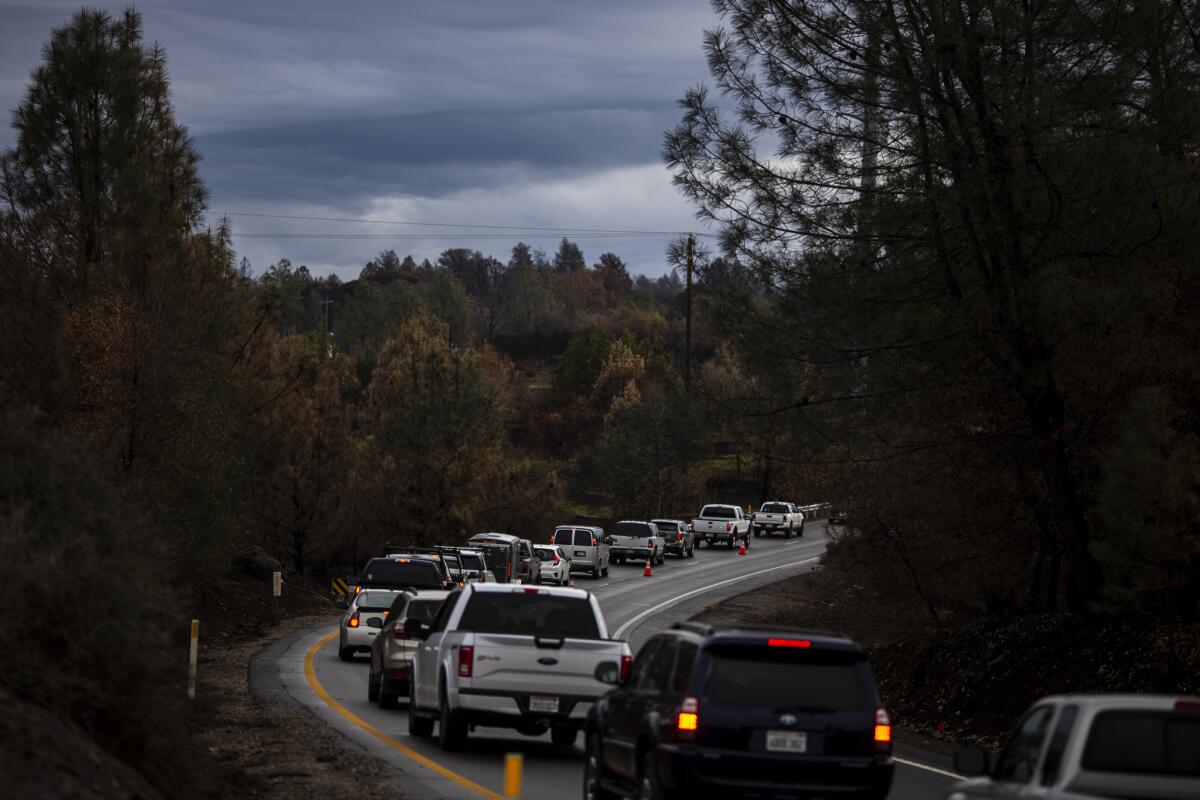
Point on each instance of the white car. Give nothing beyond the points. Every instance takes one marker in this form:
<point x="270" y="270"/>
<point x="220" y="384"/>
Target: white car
<point x="502" y="656"/>
<point x="1079" y="747"/>
<point x="363" y="620"/>
<point x="556" y="567"/>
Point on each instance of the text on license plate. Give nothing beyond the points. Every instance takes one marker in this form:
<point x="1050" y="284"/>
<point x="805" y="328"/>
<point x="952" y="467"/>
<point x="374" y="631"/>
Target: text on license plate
<point x="581" y="552"/>
<point x="787" y="741"/>
<point x="546" y="704"/>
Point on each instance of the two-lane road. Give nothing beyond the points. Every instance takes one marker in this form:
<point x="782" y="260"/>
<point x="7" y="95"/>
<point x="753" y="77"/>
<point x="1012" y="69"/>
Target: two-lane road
<point x="634" y="606"/>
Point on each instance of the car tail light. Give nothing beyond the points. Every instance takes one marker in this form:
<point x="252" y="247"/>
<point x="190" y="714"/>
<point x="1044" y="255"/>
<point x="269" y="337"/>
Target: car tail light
<point x="593" y="541"/>
<point x="883" y="731"/>
<point x="728" y="527"/>
<point x="679" y="537"/>
<point x="1187" y="705"/>
<point x="398" y="631"/>
<point x="466" y="661"/>
<point x="354" y="620"/>
<point x="556" y="559"/>
<point x="398" y="673"/>
<point x="626" y="662"/>
<point x="510" y="570"/>
<point x="687" y="721"/>
<point x="357" y="589"/>
<point x="789" y="643"/>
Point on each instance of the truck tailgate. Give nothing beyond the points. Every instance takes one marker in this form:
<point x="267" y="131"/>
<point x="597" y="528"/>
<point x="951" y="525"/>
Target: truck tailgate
<point x="515" y="663"/>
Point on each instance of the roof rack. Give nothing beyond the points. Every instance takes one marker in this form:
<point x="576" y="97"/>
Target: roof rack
<point x="694" y="627"/>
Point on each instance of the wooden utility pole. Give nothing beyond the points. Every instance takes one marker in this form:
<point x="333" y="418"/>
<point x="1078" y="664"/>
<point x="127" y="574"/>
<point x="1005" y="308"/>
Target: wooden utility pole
<point x="687" y="358"/>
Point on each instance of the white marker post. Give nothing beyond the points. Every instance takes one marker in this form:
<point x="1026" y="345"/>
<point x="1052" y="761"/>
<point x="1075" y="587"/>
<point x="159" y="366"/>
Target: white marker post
<point x="193" y="652"/>
<point x="276" y="591"/>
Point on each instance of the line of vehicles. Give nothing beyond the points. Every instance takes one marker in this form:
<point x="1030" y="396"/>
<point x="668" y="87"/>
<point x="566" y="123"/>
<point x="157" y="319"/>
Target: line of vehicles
<point x="470" y="639"/>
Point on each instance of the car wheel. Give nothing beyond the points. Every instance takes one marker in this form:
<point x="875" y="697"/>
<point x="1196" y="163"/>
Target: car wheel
<point x="604" y="572"/>
<point x="373" y="682"/>
<point x="593" y="773"/>
<point x="648" y="788"/>
<point x="346" y="653"/>
<point x="801" y="531"/>
<point x="387" y="700"/>
<point x="563" y="736"/>
<point x="758" y="532"/>
<point x="418" y="725"/>
<point x="452" y="731"/>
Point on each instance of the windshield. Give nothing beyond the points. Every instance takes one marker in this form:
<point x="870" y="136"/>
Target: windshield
<point x="417" y="574"/>
<point x="719" y="512"/>
<point x="530" y="614"/>
<point x="1144" y="741"/>
<point x="638" y="530"/>
<point x="784" y="678"/>
<point x="423" y="610"/>
<point x="774" y="508"/>
<point x="374" y="600"/>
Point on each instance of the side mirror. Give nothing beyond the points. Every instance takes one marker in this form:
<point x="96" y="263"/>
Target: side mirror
<point x="415" y="629"/>
<point x="971" y="761"/>
<point x="608" y="672"/>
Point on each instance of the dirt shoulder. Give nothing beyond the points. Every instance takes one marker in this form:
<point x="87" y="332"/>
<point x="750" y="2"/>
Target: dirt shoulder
<point x="278" y="749"/>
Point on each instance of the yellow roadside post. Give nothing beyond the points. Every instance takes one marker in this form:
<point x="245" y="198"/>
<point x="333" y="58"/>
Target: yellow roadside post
<point x="513" y="765"/>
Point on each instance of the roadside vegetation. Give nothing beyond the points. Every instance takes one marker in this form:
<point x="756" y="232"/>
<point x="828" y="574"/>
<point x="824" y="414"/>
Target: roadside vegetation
<point x="956" y="297"/>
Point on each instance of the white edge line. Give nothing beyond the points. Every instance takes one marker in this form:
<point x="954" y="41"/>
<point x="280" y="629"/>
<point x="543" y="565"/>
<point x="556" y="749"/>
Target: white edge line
<point x="671" y="601"/>
<point x="928" y="768"/>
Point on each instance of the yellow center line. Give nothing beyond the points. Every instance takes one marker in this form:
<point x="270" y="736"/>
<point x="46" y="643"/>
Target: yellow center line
<point x="311" y="675"/>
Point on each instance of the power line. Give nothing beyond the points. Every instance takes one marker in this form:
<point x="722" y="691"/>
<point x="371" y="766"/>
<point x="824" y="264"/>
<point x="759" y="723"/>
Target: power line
<point x="442" y="237"/>
<point x="577" y="231"/>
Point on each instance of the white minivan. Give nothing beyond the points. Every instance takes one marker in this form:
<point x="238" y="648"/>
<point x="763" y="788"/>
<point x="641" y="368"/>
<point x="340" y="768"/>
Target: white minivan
<point x="586" y="546"/>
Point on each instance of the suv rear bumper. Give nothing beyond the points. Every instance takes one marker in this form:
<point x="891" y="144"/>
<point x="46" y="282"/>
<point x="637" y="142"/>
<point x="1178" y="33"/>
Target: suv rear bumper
<point x="705" y="772"/>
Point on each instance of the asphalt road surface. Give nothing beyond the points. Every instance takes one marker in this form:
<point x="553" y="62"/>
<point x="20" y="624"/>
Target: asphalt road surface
<point x="634" y="606"/>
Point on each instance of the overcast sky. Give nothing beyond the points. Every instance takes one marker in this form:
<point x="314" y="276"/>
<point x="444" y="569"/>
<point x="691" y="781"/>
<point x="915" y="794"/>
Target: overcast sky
<point x="542" y="113"/>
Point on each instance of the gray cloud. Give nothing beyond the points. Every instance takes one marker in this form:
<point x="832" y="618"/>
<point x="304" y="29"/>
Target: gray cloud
<point x="426" y="107"/>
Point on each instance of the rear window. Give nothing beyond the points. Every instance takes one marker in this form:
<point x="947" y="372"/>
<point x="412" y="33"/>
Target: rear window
<point x="374" y="600"/>
<point x="423" y="610"/>
<point x="718" y="512"/>
<point x="472" y="562"/>
<point x="665" y="525"/>
<point x="638" y="529"/>
<point x="562" y="537"/>
<point x="417" y="574"/>
<point x="774" y="508"/>
<point x="1160" y="742"/>
<point x="545" y="553"/>
<point x="582" y="539"/>
<point x="530" y="614"/>
<point x="787" y="679"/>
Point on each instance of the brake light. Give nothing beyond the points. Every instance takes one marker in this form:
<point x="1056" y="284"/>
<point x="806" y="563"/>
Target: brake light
<point x="728" y="527"/>
<point x="626" y="662"/>
<point x="883" y="731"/>
<point x="1187" y="705"/>
<point x="593" y="541"/>
<point x="466" y="660"/>
<point x="556" y="559"/>
<point x="688" y="719"/>
<point x="398" y="631"/>
<point x="679" y="537"/>
<point x="357" y="589"/>
<point x="789" y="643"/>
<point x="510" y="570"/>
<point x="354" y="621"/>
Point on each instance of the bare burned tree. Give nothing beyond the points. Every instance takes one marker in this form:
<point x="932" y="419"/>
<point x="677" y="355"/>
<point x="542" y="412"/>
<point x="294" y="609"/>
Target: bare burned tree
<point x="973" y="216"/>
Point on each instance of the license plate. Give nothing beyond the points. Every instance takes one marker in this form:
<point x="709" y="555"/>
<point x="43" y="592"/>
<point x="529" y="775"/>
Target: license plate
<point x="581" y="552"/>
<point x="787" y="741"/>
<point x="545" y="704"/>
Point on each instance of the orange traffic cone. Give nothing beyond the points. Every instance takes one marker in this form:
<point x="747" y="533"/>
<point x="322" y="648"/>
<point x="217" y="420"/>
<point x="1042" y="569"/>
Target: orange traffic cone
<point x="742" y="549"/>
<point x="648" y="573"/>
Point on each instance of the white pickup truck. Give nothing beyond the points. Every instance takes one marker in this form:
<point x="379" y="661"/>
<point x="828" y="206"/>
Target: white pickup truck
<point x="777" y="517"/>
<point x="1085" y="747"/>
<point x="507" y="656"/>
<point x="721" y="523"/>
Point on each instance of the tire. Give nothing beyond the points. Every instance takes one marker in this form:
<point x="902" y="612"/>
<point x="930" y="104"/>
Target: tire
<point x="757" y="532"/>
<point x="564" y="736"/>
<point x="373" y="683"/>
<point x="346" y="653"/>
<point x="452" y="731"/>
<point x="648" y="788"/>
<point x="730" y="544"/>
<point x="604" y="572"/>
<point x="593" y="773"/>
<point x="801" y="531"/>
<point x="417" y="724"/>
<point x="388" y="700"/>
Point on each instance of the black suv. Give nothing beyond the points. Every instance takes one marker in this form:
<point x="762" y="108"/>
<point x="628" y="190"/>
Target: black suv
<point x="741" y="712"/>
<point x="417" y="572"/>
